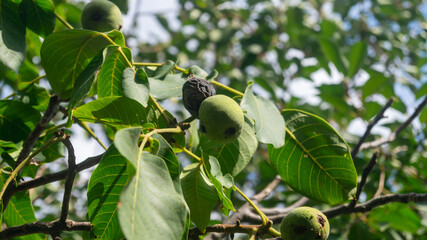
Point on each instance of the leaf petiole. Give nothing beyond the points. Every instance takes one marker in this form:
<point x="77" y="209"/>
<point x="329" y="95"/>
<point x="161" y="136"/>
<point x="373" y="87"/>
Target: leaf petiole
<point x="264" y="218"/>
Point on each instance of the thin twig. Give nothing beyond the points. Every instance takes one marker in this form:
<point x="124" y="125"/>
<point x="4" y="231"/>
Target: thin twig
<point x="44" y="227"/>
<point x="372" y="123"/>
<point x="69" y="180"/>
<point x="245" y="209"/>
<point x="366" y="171"/>
<point x="53" y="177"/>
<point x="394" y="134"/>
<point x="381" y="182"/>
<point x="375" y="202"/>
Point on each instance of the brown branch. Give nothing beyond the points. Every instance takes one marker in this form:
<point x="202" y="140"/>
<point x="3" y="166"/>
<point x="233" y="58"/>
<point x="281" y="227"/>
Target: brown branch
<point x="259" y="230"/>
<point x="69" y="180"/>
<point x="366" y="171"/>
<point x="276" y="215"/>
<point x="245" y="209"/>
<point x="371" y="124"/>
<point x="375" y="202"/>
<point x="44" y="227"/>
<point x="53" y="177"/>
<point x="394" y="134"/>
<point x="28" y="145"/>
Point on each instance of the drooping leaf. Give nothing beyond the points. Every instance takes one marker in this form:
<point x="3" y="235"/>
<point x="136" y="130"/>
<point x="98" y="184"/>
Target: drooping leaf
<point x="17" y="120"/>
<point x="357" y="55"/>
<point x="38" y="15"/>
<point x="220" y="182"/>
<point x="269" y="124"/>
<point x="109" y="82"/>
<point x="199" y="193"/>
<point x="331" y="51"/>
<point x="119" y="112"/>
<point x="126" y="142"/>
<point x="166" y="152"/>
<point x="233" y="157"/>
<point x="135" y="85"/>
<point x="84" y="81"/>
<point x="105" y="185"/>
<point x="315" y="160"/>
<point x="150" y="206"/>
<point x="66" y="53"/>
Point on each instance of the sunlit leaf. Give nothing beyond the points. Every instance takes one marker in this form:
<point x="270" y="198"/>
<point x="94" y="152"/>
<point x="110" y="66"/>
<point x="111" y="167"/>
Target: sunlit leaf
<point x="269" y="124"/>
<point x="109" y="82"/>
<point x="119" y="112"/>
<point x="135" y="85"/>
<point x="66" y="53"/>
<point x="105" y="185"/>
<point x="315" y="160"/>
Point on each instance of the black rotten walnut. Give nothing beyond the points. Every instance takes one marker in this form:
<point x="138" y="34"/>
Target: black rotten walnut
<point x="194" y="91"/>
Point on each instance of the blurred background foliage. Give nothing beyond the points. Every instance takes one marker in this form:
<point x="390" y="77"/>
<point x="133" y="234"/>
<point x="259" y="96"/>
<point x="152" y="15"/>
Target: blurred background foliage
<point x="341" y="60"/>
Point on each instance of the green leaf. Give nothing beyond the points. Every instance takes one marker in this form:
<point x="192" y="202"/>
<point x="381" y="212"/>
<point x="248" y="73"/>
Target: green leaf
<point x="11" y="58"/>
<point x="119" y="112"/>
<point x="150" y="206"/>
<point x="315" y="160"/>
<point x="331" y="51"/>
<point x="66" y="53"/>
<point x="166" y="152"/>
<point x="269" y="124"/>
<point x="170" y="86"/>
<point x="17" y="120"/>
<point x="105" y="185"/>
<point x="393" y="214"/>
<point x="135" y="85"/>
<point x="38" y="15"/>
<point x="374" y="83"/>
<point x="198" y="72"/>
<point x="357" y="56"/>
<point x="422" y="91"/>
<point x="19" y="210"/>
<point x="233" y="157"/>
<point x="220" y="182"/>
<point x="12" y="44"/>
<point x="84" y="81"/>
<point x="199" y="193"/>
<point x="109" y="82"/>
<point x="126" y="142"/>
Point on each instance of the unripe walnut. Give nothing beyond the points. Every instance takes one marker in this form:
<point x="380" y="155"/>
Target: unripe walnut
<point x="221" y="119"/>
<point x="305" y="223"/>
<point x="194" y="91"/>
<point x="101" y="16"/>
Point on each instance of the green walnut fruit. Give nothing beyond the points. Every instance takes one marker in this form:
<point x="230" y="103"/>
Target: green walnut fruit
<point x="305" y="223"/>
<point x="101" y="16"/>
<point x="194" y="91"/>
<point x="221" y="119"/>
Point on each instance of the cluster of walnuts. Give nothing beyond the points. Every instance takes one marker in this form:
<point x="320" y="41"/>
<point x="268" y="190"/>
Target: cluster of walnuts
<point x="221" y="120"/>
